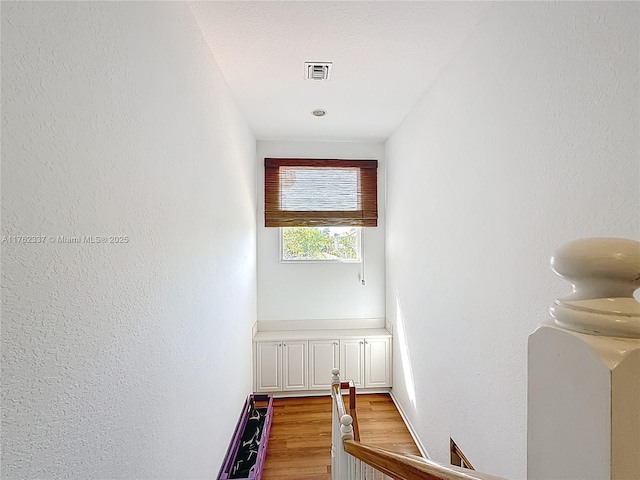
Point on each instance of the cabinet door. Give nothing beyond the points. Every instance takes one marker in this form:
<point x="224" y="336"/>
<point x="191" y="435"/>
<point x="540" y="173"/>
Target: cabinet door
<point x="324" y="355"/>
<point x="295" y="365"/>
<point x="352" y="361"/>
<point x="268" y="366"/>
<point x="377" y="363"/>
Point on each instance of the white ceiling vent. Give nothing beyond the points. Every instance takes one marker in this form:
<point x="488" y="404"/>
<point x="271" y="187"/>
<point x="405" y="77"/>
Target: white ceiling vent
<point x="317" y="70"/>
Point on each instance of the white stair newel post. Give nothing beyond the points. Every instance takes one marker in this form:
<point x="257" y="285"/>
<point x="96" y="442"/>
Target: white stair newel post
<point x="347" y="462"/>
<point x="336" y="442"/>
<point x="584" y="368"/>
<point x="346" y="429"/>
<point x="335" y="377"/>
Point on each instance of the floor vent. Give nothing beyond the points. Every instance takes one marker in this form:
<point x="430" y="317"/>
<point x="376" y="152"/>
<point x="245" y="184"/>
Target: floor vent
<point x="317" y="70"/>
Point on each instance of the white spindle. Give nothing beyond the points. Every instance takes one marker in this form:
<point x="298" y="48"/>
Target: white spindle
<point x="335" y="437"/>
<point x="359" y="475"/>
<point x="343" y="465"/>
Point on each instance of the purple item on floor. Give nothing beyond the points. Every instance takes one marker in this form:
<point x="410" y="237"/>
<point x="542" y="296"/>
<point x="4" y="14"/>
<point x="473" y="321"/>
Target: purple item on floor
<point x="246" y="454"/>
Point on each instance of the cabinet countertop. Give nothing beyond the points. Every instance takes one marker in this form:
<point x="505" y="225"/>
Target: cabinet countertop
<point x="335" y="334"/>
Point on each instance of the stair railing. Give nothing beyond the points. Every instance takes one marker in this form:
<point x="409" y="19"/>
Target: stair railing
<point x="352" y="460"/>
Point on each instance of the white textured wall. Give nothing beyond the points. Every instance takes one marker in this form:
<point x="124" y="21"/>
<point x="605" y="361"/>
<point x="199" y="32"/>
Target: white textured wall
<point x="528" y="139"/>
<point x="294" y="291"/>
<point x="122" y="361"/>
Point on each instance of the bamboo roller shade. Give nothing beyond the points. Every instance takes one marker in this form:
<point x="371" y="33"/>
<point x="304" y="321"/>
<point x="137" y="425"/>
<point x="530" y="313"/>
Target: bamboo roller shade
<point x="320" y="192"/>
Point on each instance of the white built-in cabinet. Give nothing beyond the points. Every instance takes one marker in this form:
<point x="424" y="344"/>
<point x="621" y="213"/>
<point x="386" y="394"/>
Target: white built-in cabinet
<point x="268" y="366"/>
<point x="298" y="364"/>
<point x="377" y="362"/>
<point x="281" y="366"/>
<point x="352" y="361"/>
<point x="366" y="361"/>
<point x="294" y="365"/>
<point x="324" y="355"/>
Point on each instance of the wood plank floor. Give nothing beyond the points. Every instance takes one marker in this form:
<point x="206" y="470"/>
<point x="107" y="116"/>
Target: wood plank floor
<point x="300" y="440"/>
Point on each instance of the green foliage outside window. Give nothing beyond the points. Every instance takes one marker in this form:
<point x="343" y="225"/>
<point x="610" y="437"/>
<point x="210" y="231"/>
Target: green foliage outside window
<point x="319" y="243"/>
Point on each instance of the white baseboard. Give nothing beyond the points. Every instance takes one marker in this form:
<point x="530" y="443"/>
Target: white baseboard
<point x="412" y="431"/>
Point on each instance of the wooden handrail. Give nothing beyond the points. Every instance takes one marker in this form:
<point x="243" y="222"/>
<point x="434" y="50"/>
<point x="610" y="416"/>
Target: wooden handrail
<point x="403" y="467"/>
<point x="455" y="450"/>
<point x="392" y="464"/>
<point x="356" y="429"/>
<point x="337" y="393"/>
<point x="353" y="411"/>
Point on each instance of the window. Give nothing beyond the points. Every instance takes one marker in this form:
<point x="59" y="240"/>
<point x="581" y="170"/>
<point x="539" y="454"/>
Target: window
<point x="320" y="244"/>
<point x="318" y="193"/>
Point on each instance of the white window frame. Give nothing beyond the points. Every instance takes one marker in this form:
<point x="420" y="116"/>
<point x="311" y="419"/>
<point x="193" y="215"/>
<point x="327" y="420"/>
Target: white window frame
<point x="324" y="260"/>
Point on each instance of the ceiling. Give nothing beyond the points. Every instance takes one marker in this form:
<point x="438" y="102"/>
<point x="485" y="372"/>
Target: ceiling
<point x="385" y="56"/>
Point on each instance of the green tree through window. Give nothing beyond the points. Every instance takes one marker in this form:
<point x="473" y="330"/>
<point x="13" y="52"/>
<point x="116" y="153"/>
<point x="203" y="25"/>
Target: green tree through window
<point x="320" y="243"/>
